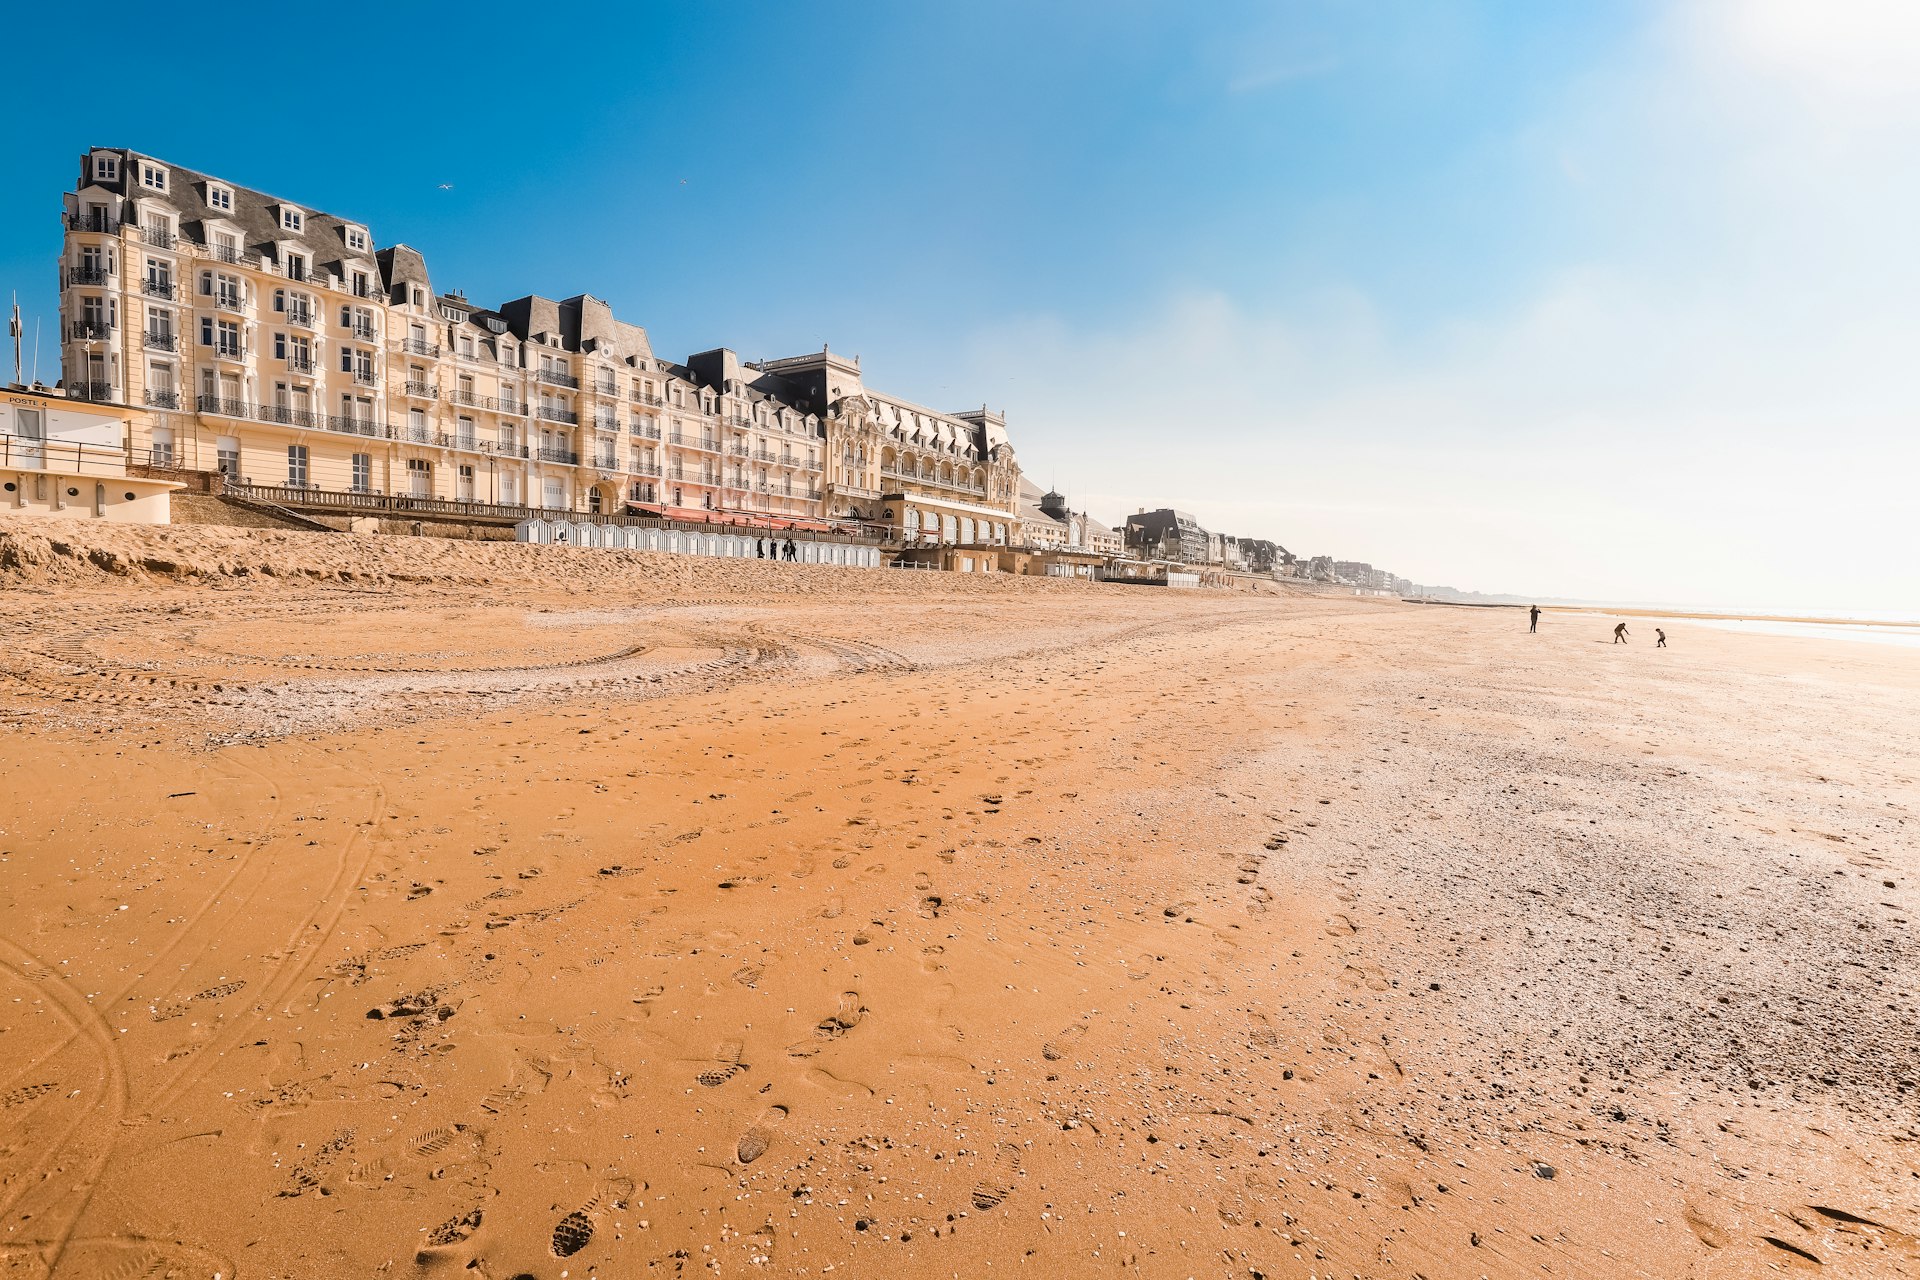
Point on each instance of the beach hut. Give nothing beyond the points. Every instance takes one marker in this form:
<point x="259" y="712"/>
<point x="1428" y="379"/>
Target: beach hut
<point x="535" y="530"/>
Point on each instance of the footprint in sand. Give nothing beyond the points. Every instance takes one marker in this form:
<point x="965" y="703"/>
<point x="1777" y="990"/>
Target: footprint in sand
<point x="759" y="1136"/>
<point x="449" y="1233"/>
<point x="573" y="1232"/>
<point x="25" y="1093"/>
<point x="833" y="1026"/>
<point x="726" y="1065"/>
<point x="997" y="1183"/>
<point x="1260" y="1033"/>
<point x="1058" y="1047"/>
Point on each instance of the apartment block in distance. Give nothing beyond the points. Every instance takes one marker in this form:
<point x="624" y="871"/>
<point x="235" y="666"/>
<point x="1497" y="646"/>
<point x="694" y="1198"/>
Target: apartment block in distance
<point x="274" y="342"/>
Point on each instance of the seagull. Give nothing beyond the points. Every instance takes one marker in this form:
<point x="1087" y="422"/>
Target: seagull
<point x="446" y="186"/>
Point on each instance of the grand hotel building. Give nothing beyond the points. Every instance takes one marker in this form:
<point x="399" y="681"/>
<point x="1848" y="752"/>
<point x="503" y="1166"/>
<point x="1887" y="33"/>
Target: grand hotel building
<point x="275" y="343"/>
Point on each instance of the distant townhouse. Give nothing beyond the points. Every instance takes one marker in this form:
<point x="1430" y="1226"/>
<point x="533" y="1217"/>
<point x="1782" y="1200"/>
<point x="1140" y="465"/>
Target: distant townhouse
<point x="1167" y="534"/>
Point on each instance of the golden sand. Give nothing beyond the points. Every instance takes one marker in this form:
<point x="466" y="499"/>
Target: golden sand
<point x="382" y="907"/>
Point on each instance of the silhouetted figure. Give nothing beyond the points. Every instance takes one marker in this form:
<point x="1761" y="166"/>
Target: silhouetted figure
<point x="1533" y="619"/>
<point x="1660" y="638"/>
<point x="1620" y="633"/>
<point x="760" y="548"/>
<point x="793" y="552"/>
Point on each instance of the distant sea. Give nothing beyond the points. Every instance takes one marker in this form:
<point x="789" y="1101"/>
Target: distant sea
<point x="1870" y="629"/>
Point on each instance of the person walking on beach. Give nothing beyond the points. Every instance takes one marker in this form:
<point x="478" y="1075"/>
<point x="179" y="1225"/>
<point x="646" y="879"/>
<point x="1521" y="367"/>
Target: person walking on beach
<point x="1660" y="638"/>
<point x="1619" y="633"/>
<point x="793" y="552"/>
<point x="1533" y="619"/>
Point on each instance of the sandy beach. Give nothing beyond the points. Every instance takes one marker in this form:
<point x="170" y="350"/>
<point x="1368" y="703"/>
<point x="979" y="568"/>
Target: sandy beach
<point x="387" y="907"/>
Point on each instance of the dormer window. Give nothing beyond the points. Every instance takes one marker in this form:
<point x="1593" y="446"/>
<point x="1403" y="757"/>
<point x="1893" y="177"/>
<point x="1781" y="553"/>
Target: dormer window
<point x="106" y="168"/>
<point x="357" y="239"/>
<point x="296" y="266"/>
<point x="292" y="219"/>
<point x="220" y="198"/>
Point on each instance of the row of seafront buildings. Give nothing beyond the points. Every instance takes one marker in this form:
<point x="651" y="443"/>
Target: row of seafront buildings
<point x="283" y="350"/>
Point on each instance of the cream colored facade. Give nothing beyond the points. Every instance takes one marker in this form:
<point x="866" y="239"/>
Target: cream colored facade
<point x="273" y="342"/>
<point x="931" y="477"/>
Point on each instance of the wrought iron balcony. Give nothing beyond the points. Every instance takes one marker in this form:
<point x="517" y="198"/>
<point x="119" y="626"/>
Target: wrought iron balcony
<point x="606" y="387"/>
<point x="300" y="364"/>
<point x="655" y="401"/>
<point x="739" y="420"/>
<point x="555" y="413"/>
<point x="229" y="253"/>
<point x="422" y="390"/>
<point x="462" y="396"/>
<point x="158" y="398"/>
<point x="160" y="288"/>
<point x="229" y="302"/>
<point x="645" y="430"/>
<point x="99" y="223"/>
<point x="84" y="330"/>
<point x="361" y="329"/>
<point x="229" y="351"/>
<point x="558" y="455"/>
<point x="420" y="347"/>
<point x="86" y="275"/>
<point x="157" y="341"/>
<point x="301" y="316"/>
<point x="158" y="237"/>
<point x="554" y="377"/>
<point x="89" y="390"/>
<point x="347" y="425"/>
<point x="366" y="377"/>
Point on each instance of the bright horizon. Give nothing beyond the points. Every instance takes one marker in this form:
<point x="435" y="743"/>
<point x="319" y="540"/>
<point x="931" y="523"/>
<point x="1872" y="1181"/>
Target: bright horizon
<point x="1603" y="301"/>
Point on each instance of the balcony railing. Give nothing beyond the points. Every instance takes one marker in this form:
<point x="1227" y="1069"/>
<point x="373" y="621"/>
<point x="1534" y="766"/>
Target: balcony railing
<point x="229" y="302"/>
<point x="82" y="330"/>
<point x="86" y="275"/>
<point x="361" y="329"/>
<point x="159" y="398"/>
<point x="645" y="469"/>
<point x="160" y="289"/>
<point x="229" y="351"/>
<point x="158" y="237"/>
<point x="89" y="391"/>
<point x="366" y="377"/>
<point x="655" y="401"/>
<point x="554" y="413"/>
<point x="422" y="390"/>
<point x="764" y="455"/>
<point x="300" y="364"/>
<point x="606" y="387"/>
<point x="420" y="347"/>
<point x="229" y="253"/>
<point x="567" y="456"/>
<point x="301" y="316"/>
<point x="685" y="441"/>
<point x="645" y="430"/>
<point x="96" y="222"/>
<point x="739" y="420"/>
<point x="490" y="403"/>
<point x="162" y="341"/>
<point x="554" y="377"/>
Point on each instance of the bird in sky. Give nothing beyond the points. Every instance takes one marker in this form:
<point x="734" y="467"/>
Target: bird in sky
<point x="446" y="186"/>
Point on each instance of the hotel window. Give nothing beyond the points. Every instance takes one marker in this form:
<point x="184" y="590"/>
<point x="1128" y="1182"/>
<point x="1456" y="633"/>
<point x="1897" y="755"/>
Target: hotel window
<point x="106" y="168"/>
<point x="362" y="286"/>
<point x="296" y="267"/>
<point x="291" y="219"/>
<point x="220" y="198"/>
<point x="362" y="472"/>
<point x="227" y="339"/>
<point x="296" y="466"/>
<point x="419" y="297"/>
<point x="417" y="424"/>
<point x="163" y="446"/>
<point x="466" y="346"/>
<point x="356" y="239"/>
<point x="229" y="457"/>
<point x="152" y="175"/>
<point x="279" y="346"/>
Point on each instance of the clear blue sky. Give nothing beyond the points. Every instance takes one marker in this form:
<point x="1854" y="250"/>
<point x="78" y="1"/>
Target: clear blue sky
<point x="1606" y="299"/>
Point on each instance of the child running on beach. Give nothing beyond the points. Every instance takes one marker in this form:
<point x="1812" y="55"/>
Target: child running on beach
<point x="1620" y="633"/>
<point x="1660" y="638"/>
